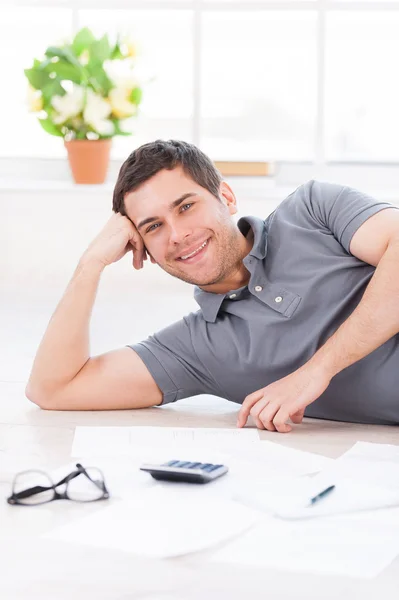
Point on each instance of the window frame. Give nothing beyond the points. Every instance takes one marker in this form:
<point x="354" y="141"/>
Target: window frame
<point x="287" y="172"/>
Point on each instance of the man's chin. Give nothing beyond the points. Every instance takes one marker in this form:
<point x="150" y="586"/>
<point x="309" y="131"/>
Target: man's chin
<point x="195" y="279"/>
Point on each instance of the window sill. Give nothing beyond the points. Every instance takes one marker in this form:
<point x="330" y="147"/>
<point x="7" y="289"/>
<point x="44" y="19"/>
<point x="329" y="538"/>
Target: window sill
<point x="37" y="185"/>
<point x="252" y="187"/>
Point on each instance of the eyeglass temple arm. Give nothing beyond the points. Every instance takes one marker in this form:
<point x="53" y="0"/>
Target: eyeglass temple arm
<point x="37" y="489"/>
<point x="67" y="478"/>
<point x="100" y="484"/>
<point x="81" y="470"/>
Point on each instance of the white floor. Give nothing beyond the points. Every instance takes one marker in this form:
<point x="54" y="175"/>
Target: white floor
<point x="40" y="243"/>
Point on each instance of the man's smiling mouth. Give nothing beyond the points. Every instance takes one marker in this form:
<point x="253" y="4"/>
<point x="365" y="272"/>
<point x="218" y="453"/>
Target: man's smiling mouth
<point x="195" y="252"/>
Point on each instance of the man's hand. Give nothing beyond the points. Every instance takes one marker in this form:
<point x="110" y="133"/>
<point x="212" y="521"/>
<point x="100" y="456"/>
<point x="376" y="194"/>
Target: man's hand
<point x="287" y="398"/>
<point x="118" y="237"/>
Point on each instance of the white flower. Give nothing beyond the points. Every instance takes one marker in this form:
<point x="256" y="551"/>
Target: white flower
<point x="120" y="103"/>
<point x="130" y="46"/>
<point x="95" y="113"/>
<point x="69" y="105"/>
<point x="34" y="100"/>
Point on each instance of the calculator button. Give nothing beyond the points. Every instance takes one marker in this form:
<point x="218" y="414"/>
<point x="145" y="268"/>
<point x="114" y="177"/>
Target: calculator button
<point x="194" y="465"/>
<point x="205" y="466"/>
<point x="171" y="463"/>
<point x="183" y="464"/>
<point x="213" y="467"/>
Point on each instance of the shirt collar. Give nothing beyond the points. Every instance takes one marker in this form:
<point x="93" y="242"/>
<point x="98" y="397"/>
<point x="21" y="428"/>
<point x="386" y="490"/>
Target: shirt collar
<point x="258" y="226"/>
<point x="210" y="302"/>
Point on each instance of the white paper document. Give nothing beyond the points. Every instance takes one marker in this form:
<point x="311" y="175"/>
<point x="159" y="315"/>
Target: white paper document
<point x="277" y="460"/>
<point x="374" y="464"/>
<point x="351" y="546"/>
<point x="117" y="441"/>
<point x="248" y="459"/>
<point x="161" y="521"/>
<point x="365" y="478"/>
<point x="289" y="498"/>
<point x="241" y="449"/>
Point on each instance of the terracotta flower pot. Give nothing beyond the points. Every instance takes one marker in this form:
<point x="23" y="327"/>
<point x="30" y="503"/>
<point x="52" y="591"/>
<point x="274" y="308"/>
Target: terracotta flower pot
<point x="89" y="159"/>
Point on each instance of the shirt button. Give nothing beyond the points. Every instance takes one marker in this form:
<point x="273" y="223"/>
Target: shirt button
<point x="232" y="296"/>
<point x="258" y="288"/>
<point x="278" y="299"/>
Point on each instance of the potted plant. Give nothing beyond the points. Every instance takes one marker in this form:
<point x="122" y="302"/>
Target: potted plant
<point x="85" y="92"/>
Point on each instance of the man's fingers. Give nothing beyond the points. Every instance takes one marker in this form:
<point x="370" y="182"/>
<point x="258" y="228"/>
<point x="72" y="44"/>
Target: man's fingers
<point x="246" y="407"/>
<point x="274" y="417"/>
<point x="256" y="410"/>
<point x="267" y="416"/>
<point x="255" y="417"/>
<point x="258" y="423"/>
<point x="297" y="416"/>
<point x="139" y="255"/>
<point x="137" y="261"/>
<point x="280" y="421"/>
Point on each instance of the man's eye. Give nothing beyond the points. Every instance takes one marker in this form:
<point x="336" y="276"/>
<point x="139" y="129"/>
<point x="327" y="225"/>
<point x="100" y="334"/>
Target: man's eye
<point x="150" y="228"/>
<point x="156" y="225"/>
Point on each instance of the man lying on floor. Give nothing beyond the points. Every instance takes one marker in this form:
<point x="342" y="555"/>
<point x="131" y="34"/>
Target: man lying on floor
<point x="299" y="313"/>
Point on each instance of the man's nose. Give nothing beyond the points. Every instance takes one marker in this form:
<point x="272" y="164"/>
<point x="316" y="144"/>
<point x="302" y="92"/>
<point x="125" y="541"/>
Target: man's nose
<point x="178" y="235"/>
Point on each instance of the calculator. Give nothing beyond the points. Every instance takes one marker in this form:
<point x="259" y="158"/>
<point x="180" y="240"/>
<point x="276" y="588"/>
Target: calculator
<point x="189" y="472"/>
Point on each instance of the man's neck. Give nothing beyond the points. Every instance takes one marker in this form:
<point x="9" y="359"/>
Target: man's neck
<point x="240" y="276"/>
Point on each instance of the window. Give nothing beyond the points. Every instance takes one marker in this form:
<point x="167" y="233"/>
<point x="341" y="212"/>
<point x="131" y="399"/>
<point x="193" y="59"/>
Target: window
<point x="297" y="81"/>
<point x="362" y="92"/>
<point x="166" y="54"/>
<point x="259" y="84"/>
<point x="20" y="42"/>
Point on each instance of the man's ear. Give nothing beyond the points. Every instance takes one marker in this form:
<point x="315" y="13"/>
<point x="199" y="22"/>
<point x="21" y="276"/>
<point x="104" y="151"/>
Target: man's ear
<point x="228" y="196"/>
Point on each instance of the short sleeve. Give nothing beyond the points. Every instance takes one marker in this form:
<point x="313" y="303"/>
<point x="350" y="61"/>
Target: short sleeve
<point x="339" y="208"/>
<point x="170" y="357"/>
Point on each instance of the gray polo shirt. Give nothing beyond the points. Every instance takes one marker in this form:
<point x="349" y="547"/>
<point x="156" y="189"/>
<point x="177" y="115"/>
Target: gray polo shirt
<point x="304" y="283"/>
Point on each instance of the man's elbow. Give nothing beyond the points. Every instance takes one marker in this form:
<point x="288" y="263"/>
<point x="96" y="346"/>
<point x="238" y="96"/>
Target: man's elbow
<point x="39" y="397"/>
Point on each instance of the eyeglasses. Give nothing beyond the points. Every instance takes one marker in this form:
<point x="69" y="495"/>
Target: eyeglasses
<point x="82" y="485"/>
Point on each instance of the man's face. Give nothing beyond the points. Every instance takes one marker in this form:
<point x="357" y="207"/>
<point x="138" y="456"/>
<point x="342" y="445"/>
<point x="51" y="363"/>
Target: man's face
<point x="177" y="231"/>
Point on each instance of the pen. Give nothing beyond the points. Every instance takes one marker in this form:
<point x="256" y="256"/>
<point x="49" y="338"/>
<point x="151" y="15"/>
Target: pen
<point x="321" y="495"/>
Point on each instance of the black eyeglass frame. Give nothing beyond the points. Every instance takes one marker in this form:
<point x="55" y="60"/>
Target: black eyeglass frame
<point x="16" y="497"/>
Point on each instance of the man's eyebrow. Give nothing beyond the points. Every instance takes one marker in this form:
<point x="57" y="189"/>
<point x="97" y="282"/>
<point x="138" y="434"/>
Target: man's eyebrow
<point x="171" y="207"/>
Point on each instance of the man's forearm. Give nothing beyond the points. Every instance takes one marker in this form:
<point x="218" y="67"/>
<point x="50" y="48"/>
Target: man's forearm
<point x="65" y="347"/>
<point x="374" y="321"/>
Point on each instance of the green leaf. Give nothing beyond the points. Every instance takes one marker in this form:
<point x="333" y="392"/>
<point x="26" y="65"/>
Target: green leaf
<point x="50" y="128"/>
<point x="65" y="70"/>
<point x="82" y="41"/>
<point x="116" y="52"/>
<point x="100" y="50"/>
<point x="118" y="130"/>
<point x="53" y="88"/>
<point x="43" y="66"/>
<point x="136" y="95"/>
<point x="98" y="78"/>
<point x="64" y="54"/>
<point x="81" y="134"/>
<point x="38" y="79"/>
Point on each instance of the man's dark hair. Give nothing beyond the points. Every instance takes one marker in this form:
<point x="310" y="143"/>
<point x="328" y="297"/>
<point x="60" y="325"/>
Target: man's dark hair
<point x="148" y="159"/>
